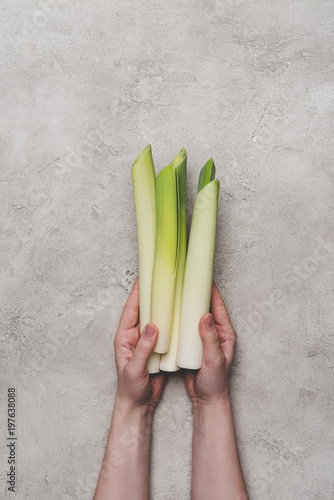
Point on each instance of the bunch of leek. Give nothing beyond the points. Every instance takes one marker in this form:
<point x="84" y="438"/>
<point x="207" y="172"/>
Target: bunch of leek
<point x="174" y="287"/>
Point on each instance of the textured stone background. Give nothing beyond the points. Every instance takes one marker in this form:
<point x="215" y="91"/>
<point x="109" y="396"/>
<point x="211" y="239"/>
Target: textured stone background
<point x="85" y="86"/>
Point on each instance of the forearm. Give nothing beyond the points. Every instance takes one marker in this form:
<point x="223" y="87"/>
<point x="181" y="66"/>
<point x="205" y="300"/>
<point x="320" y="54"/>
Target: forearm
<point x="125" y="467"/>
<point x="216" y="470"/>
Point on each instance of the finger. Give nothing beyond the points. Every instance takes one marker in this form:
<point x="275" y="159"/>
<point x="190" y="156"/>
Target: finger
<point x="144" y="347"/>
<point x="124" y="344"/>
<point x="189" y="378"/>
<point x="130" y="313"/>
<point x="210" y="338"/>
<point x="227" y="335"/>
<point x="158" y="381"/>
<point x="219" y="311"/>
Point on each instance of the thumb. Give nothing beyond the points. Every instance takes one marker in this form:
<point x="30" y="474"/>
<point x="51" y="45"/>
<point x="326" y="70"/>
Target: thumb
<point x="210" y="339"/>
<point x="144" y="348"/>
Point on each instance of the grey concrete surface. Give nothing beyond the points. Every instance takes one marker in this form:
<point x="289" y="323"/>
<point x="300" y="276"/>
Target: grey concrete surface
<point x="84" y="87"/>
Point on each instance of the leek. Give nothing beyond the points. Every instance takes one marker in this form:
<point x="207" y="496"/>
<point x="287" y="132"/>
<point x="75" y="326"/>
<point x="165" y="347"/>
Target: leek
<point x="206" y="175"/>
<point x="168" y="360"/>
<point x="143" y="178"/>
<point x="165" y="258"/>
<point x="199" y="269"/>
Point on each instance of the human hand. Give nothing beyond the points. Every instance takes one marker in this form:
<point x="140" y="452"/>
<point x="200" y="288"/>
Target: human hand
<point x="132" y="351"/>
<point x="211" y="382"/>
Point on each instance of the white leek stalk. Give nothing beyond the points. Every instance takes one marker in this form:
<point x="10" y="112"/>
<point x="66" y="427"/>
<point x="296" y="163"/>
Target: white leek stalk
<point x="143" y="178"/>
<point x="199" y="269"/>
<point x="165" y="257"/>
<point x="168" y="360"/>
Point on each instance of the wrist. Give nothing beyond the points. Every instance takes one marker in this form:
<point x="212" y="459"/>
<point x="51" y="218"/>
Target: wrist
<point x="127" y="407"/>
<point x="220" y="403"/>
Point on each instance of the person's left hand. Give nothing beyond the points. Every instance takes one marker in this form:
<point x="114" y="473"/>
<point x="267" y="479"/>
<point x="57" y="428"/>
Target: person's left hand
<point x="211" y="383"/>
<point x="132" y="351"/>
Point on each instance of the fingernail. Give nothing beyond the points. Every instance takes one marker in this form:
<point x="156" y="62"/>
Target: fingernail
<point x="208" y="321"/>
<point x="149" y="331"/>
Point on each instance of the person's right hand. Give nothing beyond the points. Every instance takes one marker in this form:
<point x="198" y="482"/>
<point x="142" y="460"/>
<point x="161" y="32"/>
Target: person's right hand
<point x="136" y="387"/>
<point x="211" y="382"/>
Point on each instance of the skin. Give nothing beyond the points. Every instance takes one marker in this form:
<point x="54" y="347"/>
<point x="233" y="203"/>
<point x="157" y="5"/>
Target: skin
<point x="216" y="470"/>
<point x="125" y="467"/>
